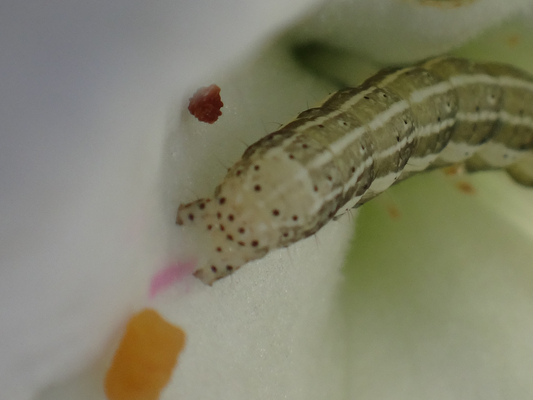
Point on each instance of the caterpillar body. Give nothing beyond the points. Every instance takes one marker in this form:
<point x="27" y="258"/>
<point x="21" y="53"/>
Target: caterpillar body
<point x="358" y="143"/>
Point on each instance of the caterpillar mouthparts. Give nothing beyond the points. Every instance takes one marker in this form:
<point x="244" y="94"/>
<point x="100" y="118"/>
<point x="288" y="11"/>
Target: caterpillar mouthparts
<point x="358" y="143"/>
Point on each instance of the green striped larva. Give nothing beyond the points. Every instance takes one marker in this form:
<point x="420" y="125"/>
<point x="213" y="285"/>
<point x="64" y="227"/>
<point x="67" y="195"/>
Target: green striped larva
<point x="358" y="143"/>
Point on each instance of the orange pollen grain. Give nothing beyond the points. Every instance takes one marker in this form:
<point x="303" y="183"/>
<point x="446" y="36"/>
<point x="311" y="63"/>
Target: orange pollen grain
<point x="394" y="212"/>
<point x="145" y="358"/>
<point x="466" y="187"/>
<point x="455" y="169"/>
<point x="513" y="40"/>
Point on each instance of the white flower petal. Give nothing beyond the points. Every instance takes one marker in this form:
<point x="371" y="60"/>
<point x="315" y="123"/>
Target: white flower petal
<point x="97" y="83"/>
<point x="86" y="89"/>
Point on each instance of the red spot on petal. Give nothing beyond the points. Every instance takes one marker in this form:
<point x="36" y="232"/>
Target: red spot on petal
<point x="206" y="103"/>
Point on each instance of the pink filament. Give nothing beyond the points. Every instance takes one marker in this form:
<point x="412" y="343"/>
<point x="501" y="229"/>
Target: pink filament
<point x="170" y="274"/>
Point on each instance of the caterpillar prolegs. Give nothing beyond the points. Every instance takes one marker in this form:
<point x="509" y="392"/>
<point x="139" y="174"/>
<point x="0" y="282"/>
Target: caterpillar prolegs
<point x="355" y="145"/>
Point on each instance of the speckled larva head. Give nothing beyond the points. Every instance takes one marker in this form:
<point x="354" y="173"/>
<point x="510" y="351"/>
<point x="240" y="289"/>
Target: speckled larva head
<point x="250" y="214"/>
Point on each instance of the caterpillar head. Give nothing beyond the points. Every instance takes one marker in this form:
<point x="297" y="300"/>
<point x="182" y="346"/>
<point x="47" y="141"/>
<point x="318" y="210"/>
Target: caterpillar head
<point x="232" y="228"/>
<point x="230" y="241"/>
<point x="252" y="212"/>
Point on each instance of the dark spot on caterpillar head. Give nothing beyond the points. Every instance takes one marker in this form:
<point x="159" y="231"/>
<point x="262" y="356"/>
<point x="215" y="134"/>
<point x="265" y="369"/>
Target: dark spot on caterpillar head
<point x="295" y="218"/>
<point x="229" y="237"/>
<point x="256" y="167"/>
<point x="291" y="156"/>
<point x="367" y="98"/>
<point x="257" y="188"/>
<point x="353" y="170"/>
<point x="345" y="123"/>
<point x="229" y="268"/>
<point x="330" y="178"/>
<point x="238" y="172"/>
<point x="209" y="227"/>
<point x="405" y="121"/>
<point x="191" y="216"/>
<point x="222" y="228"/>
<point x="219" y="215"/>
<point x="383" y="95"/>
<point x="231" y="217"/>
<point x="305" y="146"/>
<point x="241" y="243"/>
<point x="275" y="212"/>
<point x="397" y="138"/>
<point x="214" y="269"/>
<point x="241" y="230"/>
<point x="315" y="188"/>
<point x="362" y="147"/>
<point x="255" y="243"/>
<point x="219" y="249"/>
<point x="201" y="206"/>
<point x="285" y="234"/>
<point x="438" y="119"/>
<point x="222" y="200"/>
<point x="320" y="126"/>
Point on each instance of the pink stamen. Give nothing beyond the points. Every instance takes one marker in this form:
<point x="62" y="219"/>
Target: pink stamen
<point x="170" y="274"/>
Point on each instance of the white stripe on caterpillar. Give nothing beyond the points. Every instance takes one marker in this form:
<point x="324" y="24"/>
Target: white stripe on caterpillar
<point x="358" y="143"/>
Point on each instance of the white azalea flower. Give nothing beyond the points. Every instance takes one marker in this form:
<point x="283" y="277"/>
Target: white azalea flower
<point x="100" y="150"/>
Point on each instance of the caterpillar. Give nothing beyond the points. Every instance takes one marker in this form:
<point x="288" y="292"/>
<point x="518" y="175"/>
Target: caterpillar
<point x="359" y="142"/>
